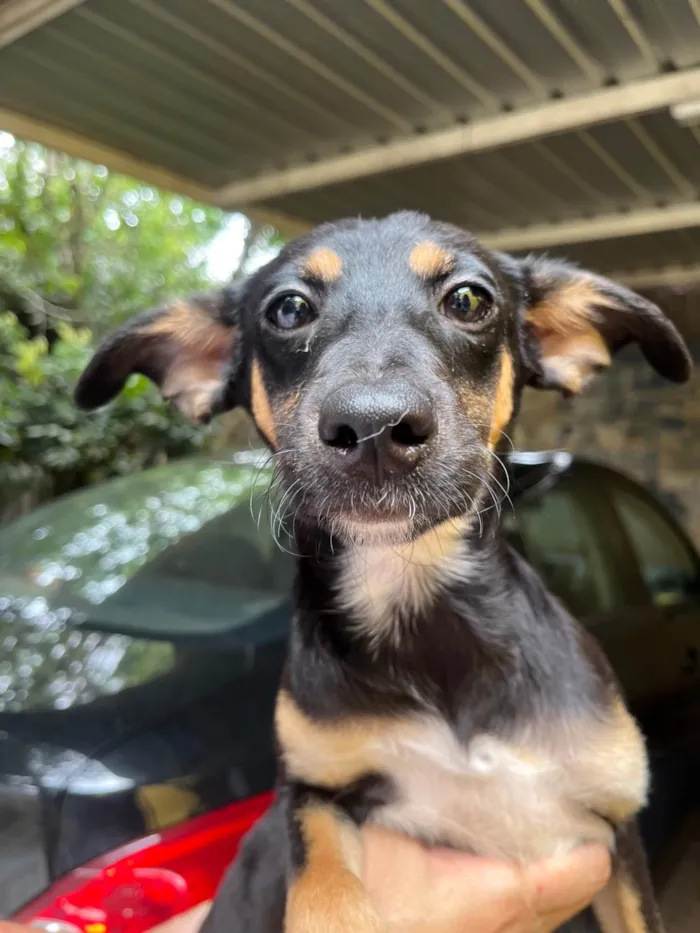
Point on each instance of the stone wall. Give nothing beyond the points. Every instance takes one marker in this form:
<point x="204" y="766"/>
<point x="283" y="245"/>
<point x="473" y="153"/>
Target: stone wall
<point x="632" y="420"/>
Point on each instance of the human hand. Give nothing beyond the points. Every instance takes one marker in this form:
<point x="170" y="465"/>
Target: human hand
<point x="420" y="890"/>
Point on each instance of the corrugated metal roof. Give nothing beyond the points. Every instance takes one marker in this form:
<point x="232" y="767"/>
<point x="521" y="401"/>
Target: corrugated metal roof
<point x="219" y="92"/>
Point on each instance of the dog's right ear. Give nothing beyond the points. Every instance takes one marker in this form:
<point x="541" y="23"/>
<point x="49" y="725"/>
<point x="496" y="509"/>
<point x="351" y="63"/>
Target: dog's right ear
<point x="188" y="348"/>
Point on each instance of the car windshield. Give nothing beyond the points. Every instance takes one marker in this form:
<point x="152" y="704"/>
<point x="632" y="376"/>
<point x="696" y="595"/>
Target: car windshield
<point x="100" y="587"/>
<point x="153" y="554"/>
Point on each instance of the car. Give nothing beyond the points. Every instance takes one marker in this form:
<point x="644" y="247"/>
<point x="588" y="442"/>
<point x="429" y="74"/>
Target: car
<point x="143" y="627"/>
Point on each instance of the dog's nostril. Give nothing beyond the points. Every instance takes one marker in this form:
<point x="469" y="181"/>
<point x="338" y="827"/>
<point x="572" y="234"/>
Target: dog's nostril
<point x="383" y="428"/>
<point x="406" y="434"/>
<point x="343" y="438"/>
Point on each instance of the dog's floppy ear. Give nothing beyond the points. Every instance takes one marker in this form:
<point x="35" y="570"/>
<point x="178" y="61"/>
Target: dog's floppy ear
<point x="188" y="348"/>
<point x="576" y="321"/>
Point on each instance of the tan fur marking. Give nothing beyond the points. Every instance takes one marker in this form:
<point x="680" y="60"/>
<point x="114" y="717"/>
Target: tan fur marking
<point x="332" y="754"/>
<point x="202" y="346"/>
<point x="573" y="350"/>
<point x="567" y="309"/>
<point x="503" y="405"/>
<point x="260" y="405"/>
<point x="191" y="386"/>
<point x="287" y="407"/>
<point x="553" y="783"/>
<point x="191" y="327"/>
<point x="575" y="359"/>
<point x="328" y="896"/>
<point x="428" y="260"/>
<point x="323" y="264"/>
<point x="619" y="748"/>
<point x="618" y="908"/>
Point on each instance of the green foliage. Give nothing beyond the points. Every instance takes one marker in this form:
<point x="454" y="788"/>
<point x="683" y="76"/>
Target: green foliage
<point x="82" y="249"/>
<point x="101" y="245"/>
<point x="47" y="444"/>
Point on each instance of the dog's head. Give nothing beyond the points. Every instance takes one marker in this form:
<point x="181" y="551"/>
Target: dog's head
<point x="382" y="360"/>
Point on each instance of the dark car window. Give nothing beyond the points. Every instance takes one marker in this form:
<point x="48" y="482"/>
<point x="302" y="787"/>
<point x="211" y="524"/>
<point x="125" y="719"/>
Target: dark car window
<point x="667" y="563"/>
<point x="558" y="536"/>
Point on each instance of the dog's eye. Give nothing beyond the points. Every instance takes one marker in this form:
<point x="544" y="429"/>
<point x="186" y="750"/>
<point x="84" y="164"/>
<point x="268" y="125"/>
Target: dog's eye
<point x="468" y="303"/>
<point x="290" y="312"/>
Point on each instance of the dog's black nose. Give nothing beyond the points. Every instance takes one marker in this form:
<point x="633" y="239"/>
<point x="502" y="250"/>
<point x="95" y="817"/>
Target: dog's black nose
<point x="377" y="429"/>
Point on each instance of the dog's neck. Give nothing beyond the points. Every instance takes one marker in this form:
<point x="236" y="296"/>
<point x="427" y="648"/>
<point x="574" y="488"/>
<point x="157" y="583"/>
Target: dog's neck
<point x="421" y="621"/>
<point x="379" y="590"/>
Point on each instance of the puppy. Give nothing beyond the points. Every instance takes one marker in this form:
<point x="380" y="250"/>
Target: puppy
<point x="433" y="685"/>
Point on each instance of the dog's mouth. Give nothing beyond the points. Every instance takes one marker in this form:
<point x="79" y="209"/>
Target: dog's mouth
<point x="394" y="512"/>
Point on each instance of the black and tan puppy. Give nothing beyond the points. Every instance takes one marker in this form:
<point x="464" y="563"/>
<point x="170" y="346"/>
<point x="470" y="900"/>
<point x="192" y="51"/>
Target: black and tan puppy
<point x="433" y="684"/>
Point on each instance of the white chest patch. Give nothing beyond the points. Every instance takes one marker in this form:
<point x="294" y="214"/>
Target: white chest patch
<point x="486" y="797"/>
<point x="505" y="801"/>
<point x="524" y="798"/>
<point x="383" y="587"/>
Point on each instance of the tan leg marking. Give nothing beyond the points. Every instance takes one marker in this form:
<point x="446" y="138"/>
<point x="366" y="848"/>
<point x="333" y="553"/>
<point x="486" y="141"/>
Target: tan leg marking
<point x="327" y="896"/>
<point x="428" y="260"/>
<point x="618" y="908"/>
<point x="503" y="405"/>
<point x="323" y="264"/>
<point x="260" y="406"/>
<point x="327" y="754"/>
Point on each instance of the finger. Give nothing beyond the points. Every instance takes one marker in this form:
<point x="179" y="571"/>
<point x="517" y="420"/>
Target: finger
<point x="415" y="888"/>
<point x="567" y="882"/>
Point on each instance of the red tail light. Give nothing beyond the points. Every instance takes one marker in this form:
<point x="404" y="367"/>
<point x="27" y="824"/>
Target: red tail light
<point x="150" y="880"/>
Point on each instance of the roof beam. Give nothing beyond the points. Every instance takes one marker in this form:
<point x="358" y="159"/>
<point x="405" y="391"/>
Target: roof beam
<point x="670" y="276"/>
<point x="559" y="116"/>
<point x="117" y="161"/>
<point x="19" y="17"/>
<point x="602" y="227"/>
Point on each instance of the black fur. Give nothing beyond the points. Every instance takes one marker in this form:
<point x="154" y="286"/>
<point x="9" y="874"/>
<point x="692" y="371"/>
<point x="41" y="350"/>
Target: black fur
<point x="488" y="653"/>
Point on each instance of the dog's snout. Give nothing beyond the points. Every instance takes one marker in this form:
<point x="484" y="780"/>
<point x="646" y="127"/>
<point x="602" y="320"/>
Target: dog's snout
<point x="377" y="429"/>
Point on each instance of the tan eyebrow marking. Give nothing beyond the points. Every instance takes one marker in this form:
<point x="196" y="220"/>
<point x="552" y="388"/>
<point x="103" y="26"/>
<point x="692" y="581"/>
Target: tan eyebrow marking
<point x="323" y="264"/>
<point x="428" y="260"/>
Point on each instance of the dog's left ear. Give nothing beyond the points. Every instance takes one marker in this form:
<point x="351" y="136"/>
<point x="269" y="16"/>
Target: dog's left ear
<point x="189" y="348"/>
<point x="576" y="321"/>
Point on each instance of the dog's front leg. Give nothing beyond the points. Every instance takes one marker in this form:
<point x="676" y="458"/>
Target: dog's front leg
<point x="627" y="905"/>
<point x="325" y="894"/>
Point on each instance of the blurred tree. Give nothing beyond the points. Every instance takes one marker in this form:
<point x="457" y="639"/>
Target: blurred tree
<point x="47" y="446"/>
<point x="81" y="250"/>
<point x="80" y="243"/>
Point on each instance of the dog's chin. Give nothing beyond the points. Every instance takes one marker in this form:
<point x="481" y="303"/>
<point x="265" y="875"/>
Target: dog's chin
<point x="361" y="532"/>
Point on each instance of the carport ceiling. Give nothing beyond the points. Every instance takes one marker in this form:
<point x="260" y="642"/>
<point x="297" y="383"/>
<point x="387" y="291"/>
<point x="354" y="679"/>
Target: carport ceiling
<point x="537" y="123"/>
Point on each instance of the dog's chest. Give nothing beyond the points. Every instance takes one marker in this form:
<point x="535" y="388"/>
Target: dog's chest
<point x="503" y="798"/>
<point x="546" y="787"/>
